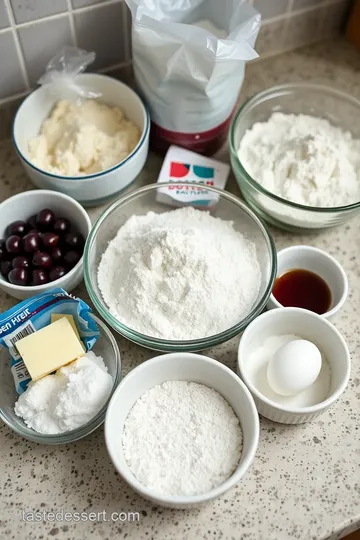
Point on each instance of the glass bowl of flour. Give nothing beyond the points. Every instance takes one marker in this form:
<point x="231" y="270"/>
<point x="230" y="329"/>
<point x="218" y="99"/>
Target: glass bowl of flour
<point x="106" y="348"/>
<point x="179" y="279"/>
<point x="295" y="153"/>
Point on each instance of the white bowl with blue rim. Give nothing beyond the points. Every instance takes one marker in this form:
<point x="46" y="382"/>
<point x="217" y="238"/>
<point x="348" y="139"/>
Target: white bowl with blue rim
<point x="92" y="189"/>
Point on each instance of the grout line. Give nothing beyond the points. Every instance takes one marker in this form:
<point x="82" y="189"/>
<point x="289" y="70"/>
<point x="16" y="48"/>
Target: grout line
<point x="17" y="44"/>
<point x="62" y="14"/>
<point x="289" y="11"/>
<point x="97" y="5"/>
<point x="105" y="3"/>
<point x="14" y="97"/>
<point x="108" y="69"/>
<point x="113" y="67"/>
<point x="281" y="17"/>
<point x="53" y="17"/>
<point x="126" y="29"/>
<point x="287" y="22"/>
<point x="72" y="22"/>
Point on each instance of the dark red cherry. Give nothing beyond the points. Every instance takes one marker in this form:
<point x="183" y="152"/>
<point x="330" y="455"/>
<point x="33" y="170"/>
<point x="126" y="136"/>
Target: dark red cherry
<point x="56" y="254"/>
<point x="75" y="241"/>
<point x="13" y="244"/>
<point x="61" y="225"/>
<point x="32" y="221"/>
<point x="21" y="262"/>
<point x="45" y="219"/>
<point x="49" y="240"/>
<point x="5" y="268"/>
<point x="3" y="251"/>
<point x="56" y="273"/>
<point x="42" y="259"/>
<point x="18" y="228"/>
<point x="18" y="276"/>
<point x="31" y="242"/>
<point x="39" y="277"/>
<point x="71" y="258"/>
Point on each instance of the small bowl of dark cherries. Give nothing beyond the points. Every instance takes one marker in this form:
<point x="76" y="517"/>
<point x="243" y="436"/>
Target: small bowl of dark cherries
<point x="42" y="238"/>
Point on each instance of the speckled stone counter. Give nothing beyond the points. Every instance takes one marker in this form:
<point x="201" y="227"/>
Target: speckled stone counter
<point x="304" y="482"/>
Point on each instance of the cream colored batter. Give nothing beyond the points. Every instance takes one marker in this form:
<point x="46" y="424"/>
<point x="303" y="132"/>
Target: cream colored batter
<point x="81" y="138"/>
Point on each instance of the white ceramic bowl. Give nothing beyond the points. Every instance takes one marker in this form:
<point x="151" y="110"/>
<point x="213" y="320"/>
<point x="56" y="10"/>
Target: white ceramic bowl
<point x="321" y="263"/>
<point x="24" y="205"/>
<point x="186" y="367"/>
<point x="309" y="326"/>
<point x="91" y="189"/>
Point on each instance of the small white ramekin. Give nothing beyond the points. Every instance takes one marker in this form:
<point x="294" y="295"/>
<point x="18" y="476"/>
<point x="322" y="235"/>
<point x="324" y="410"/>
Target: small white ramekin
<point x="309" y="326"/>
<point x="24" y="205"/>
<point x="321" y="263"/>
<point x="185" y="367"/>
<point x="92" y="189"/>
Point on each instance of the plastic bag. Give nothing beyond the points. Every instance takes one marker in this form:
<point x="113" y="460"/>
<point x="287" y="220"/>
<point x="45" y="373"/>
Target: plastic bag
<point x="35" y="313"/>
<point x="189" y="77"/>
<point x="60" y="73"/>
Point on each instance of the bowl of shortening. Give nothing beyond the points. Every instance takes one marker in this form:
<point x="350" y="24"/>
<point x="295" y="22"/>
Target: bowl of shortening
<point x="106" y="348"/>
<point x="295" y="153"/>
<point x="90" y="149"/>
<point x="183" y="279"/>
<point x="181" y="429"/>
<point x="42" y="237"/>
<point x="295" y="363"/>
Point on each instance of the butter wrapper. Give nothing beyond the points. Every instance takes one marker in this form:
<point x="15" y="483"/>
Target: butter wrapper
<point x="35" y="313"/>
<point x="183" y="168"/>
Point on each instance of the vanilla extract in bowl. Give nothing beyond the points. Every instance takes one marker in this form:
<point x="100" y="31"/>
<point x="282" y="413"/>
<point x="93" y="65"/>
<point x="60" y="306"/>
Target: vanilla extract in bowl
<point x="304" y="289"/>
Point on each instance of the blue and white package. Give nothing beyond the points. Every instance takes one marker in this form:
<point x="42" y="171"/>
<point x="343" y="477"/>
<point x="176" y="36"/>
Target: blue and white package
<point x="35" y="313"/>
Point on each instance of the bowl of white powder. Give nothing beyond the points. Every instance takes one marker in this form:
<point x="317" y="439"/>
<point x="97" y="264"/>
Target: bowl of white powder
<point x="90" y="149"/>
<point x="295" y="152"/>
<point x="57" y="413"/>
<point x="182" y="429"/>
<point x="183" y="279"/>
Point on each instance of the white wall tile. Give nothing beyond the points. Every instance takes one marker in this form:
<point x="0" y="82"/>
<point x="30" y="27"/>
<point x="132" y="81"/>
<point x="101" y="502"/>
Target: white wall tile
<point x="11" y="78"/>
<point x="4" y="19"/>
<point x="41" y="41"/>
<point x="101" y="30"/>
<point x="32" y="10"/>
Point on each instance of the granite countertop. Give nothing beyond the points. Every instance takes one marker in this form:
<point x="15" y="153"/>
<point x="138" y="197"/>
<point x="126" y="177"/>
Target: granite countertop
<point x="304" y="482"/>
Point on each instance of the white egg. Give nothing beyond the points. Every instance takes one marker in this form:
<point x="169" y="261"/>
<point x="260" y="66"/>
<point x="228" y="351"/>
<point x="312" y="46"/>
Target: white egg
<point x="294" y="367"/>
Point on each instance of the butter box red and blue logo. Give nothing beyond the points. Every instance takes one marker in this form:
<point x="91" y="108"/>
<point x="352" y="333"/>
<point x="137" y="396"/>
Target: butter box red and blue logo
<point x="184" y="168"/>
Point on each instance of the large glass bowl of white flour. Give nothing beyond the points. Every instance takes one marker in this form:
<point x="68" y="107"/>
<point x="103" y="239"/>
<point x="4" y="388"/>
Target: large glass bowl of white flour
<point x="179" y="279"/>
<point x="295" y="153"/>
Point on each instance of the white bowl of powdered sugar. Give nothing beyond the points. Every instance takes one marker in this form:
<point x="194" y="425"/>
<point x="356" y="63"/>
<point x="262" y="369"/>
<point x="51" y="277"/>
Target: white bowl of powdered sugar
<point x="181" y="429"/>
<point x="295" y="152"/>
<point x="179" y="279"/>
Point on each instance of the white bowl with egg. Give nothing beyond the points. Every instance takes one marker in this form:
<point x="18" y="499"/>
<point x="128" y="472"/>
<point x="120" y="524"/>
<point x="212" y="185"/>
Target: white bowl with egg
<point x="319" y="262"/>
<point x="91" y="189"/>
<point x="253" y="359"/>
<point x="183" y="367"/>
<point x="24" y="205"/>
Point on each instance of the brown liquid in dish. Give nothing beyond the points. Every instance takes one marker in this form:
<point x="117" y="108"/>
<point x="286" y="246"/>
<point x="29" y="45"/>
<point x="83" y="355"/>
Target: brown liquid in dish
<point x="304" y="289"/>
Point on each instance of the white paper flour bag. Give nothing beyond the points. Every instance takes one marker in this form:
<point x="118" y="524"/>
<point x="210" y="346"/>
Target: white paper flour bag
<point x="189" y="59"/>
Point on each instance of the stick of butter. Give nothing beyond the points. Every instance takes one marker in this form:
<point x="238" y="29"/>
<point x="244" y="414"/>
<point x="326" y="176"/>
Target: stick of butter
<point x="56" y="316"/>
<point x="50" y="348"/>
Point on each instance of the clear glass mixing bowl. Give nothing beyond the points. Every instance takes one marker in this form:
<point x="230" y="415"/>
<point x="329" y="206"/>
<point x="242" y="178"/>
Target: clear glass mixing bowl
<point x="142" y="201"/>
<point x="337" y="107"/>
<point x="105" y="346"/>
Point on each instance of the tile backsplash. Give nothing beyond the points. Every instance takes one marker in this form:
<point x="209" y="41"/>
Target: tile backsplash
<point x="32" y="31"/>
